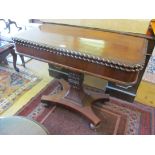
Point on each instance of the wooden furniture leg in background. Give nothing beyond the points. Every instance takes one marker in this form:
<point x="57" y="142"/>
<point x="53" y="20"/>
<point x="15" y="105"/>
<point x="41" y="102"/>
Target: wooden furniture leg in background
<point x="74" y="97"/>
<point x="14" y="55"/>
<point x="5" y="52"/>
<point x="22" y="59"/>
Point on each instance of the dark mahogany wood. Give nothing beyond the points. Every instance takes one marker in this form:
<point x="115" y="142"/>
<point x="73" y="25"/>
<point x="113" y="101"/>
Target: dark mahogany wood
<point x="112" y="56"/>
<point x="74" y="97"/>
<point x="110" y="74"/>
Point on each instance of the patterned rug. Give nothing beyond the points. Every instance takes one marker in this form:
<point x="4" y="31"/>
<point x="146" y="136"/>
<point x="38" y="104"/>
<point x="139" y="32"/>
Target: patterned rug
<point x="14" y="84"/>
<point x="118" y="117"/>
<point x="149" y="74"/>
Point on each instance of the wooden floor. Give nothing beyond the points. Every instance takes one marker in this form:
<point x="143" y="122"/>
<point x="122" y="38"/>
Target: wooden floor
<point x="146" y="93"/>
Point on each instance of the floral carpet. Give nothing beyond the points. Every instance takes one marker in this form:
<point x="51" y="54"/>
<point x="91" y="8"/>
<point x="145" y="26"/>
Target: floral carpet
<point x="118" y="117"/>
<point x="13" y="84"/>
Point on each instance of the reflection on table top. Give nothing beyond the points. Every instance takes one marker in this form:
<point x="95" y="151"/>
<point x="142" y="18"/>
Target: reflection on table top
<point x="121" y="48"/>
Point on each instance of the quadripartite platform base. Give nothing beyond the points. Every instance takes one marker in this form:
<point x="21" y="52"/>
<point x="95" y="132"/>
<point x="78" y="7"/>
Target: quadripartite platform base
<point x="78" y="99"/>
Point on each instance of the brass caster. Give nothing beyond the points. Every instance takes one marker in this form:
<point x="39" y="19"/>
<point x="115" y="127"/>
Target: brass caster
<point x="93" y="127"/>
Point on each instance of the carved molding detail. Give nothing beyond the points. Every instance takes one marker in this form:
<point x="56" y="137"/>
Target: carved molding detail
<point x="81" y="56"/>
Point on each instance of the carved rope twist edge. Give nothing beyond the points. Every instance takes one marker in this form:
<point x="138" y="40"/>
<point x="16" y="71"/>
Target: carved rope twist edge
<point x="80" y="56"/>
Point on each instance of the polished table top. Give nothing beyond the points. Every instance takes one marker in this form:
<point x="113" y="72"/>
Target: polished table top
<point x="123" y="25"/>
<point x="113" y="56"/>
<point x="114" y="47"/>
